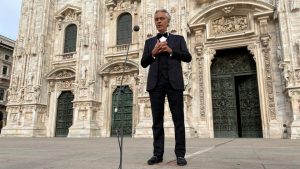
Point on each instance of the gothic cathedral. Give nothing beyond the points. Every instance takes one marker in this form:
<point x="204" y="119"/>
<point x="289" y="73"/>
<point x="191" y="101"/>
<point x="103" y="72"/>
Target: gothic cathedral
<point x="69" y="61"/>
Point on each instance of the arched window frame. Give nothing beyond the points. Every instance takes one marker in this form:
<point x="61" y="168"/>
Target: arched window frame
<point x="65" y="49"/>
<point x="128" y="31"/>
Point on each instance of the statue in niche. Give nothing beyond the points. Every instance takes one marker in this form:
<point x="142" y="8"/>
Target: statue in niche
<point x="298" y="46"/>
<point x="37" y="91"/>
<point x="30" y="78"/>
<point x="84" y="72"/>
<point x="22" y="93"/>
<point x="287" y="75"/>
<point x="294" y="5"/>
<point x="105" y="80"/>
<point x="278" y="53"/>
<point x="86" y="36"/>
<point x="15" y="81"/>
<point x="135" y="7"/>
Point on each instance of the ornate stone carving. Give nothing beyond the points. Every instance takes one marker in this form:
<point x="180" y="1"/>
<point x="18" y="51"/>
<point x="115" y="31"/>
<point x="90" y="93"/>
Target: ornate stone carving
<point x="269" y="80"/>
<point x="263" y="25"/>
<point x="294" y="92"/>
<point x="149" y="25"/>
<point x="294" y="5"/>
<point x="210" y="53"/>
<point x="14" y="117"/>
<point x="28" y="116"/>
<point x="65" y="84"/>
<point x="106" y="81"/>
<point x="265" y="41"/>
<point x="173" y="23"/>
<point x="123" y="5"/>
<point x="51" y="86"/>
<point x="287" y="74"/>
<point x="187" y="79"/>
<point x="252" y="49"/>
<point x="297" y="75"/>
<point x="125" y="79"/>
<point x="228" y="9"/>
<point x="69" y="14"/>
<point x="200" y="61"/>
<point x="199" y="49"/>
<point x="86" y="36"/>
<point x="63" y="74"/>
<point x="136" y="78"/>
<point x="82" y="115"/>
<point x="231" y="24"/>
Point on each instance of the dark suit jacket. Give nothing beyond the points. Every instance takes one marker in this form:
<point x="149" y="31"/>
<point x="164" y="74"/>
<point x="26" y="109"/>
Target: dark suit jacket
<point x="180" y="53"/>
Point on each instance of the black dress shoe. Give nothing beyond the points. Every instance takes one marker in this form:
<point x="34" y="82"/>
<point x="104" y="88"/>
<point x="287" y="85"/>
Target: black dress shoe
<point x="154" y="160"/>
<point x="181" y="161"/>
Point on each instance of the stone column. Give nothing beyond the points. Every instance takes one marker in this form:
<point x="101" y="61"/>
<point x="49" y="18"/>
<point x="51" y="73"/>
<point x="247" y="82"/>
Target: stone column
<point x="274" y="129"/>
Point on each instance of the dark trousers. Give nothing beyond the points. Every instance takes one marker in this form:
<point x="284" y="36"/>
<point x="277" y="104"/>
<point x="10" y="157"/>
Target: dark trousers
<point x="175" y="98"/>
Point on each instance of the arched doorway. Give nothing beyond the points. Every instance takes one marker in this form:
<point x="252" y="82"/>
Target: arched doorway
<point x="124" y="114"/>
<point x="235" y="99"/>
<point x="64" y="117"/>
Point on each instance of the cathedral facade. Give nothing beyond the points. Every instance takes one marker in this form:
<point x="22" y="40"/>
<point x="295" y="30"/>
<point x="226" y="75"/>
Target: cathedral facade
<point x="71" y="75"/>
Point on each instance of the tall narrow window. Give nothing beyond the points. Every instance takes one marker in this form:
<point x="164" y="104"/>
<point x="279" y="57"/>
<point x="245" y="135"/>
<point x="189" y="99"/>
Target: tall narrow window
<point x="124" y="32"/>
<point x="5" y="70"/>
<point x="6" y="57"/>
<point x="1" y="94"/>
<point x="70" y="38"/>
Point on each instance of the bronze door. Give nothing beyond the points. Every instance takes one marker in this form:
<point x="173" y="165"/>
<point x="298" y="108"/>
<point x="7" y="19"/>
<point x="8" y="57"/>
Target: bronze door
<point x="64" y="117"/>
<point x="235" y="99"/>
<point x="248" y="106"/>
<point x="123" y="117"/>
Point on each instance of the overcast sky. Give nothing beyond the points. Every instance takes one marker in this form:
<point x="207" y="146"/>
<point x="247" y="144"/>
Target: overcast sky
<point x="9" y="18"/>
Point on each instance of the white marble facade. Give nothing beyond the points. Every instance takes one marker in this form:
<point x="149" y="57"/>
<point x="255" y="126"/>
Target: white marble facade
<point x="41" y="71"/>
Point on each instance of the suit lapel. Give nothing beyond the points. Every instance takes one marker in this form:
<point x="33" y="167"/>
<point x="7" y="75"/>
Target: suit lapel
<point x="170" y="40"/>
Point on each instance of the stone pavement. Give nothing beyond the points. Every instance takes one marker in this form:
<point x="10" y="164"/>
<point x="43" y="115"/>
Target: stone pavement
<point x="103" y="153"/>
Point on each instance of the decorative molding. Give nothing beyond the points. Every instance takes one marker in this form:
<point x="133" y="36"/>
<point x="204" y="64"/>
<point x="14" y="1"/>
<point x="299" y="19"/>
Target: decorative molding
<point x="252" y="48"/>
<point x="268" y="78"/>
<point x="117" y="67"/>
<point x="122" y="5"/>
<point x="200" y="61"/>
<point x="62" y="74"/>
<point x="228" y="9"/>
<point x="65" y="84"/>
<point x="211" y="55"/>
<point x="230" y="24"/>
<point x="173" y="24"/>
<point x="69" y="14"/>
<point x="294" y="5"/>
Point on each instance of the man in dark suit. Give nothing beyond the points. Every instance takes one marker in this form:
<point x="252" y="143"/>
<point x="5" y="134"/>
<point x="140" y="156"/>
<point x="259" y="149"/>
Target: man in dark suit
<point x="164" y="54"/>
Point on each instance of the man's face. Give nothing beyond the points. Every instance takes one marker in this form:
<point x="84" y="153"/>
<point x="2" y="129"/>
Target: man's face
<point x="161" y="22"/>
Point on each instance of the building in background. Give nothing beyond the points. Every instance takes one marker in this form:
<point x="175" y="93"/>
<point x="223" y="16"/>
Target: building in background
<point x="6" y="56"/>
<point x="243" y="81"/>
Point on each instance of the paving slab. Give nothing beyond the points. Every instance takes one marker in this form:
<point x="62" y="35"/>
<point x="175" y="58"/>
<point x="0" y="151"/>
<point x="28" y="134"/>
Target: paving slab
<point x="103" y="153"/>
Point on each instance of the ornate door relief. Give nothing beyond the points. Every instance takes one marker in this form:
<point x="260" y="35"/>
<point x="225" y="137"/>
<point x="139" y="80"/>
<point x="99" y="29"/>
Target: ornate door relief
<point x="265" y="49"/>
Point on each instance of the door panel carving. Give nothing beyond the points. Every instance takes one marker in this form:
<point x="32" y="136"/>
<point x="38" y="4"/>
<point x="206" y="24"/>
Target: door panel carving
<point x="235" y="99"/>
<point x="64" y="118"/>
<point x="124" y="114"/>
